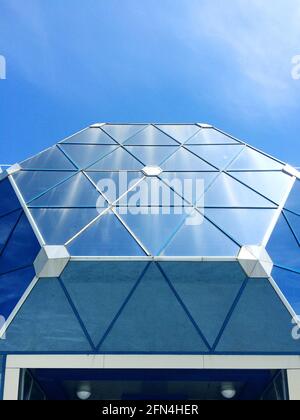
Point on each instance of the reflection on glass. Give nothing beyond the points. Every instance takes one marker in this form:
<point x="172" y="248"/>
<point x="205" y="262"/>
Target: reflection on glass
<point x="245" y="226"/>
<point x="91" y="136"/>
<point x="151" y="155"/>
<point x="106" y="237"/>
<point x="294" y="222"/>
<point x="12" y="287"/>
<point x="283" y="247"/>
<point x="8" y="201"/>
<point x="250" y="159"/>
<point x="151" y="136"/>
<point x="190" y="185"/>
<point x="114" y="184"/>
<point x="21" y="249"/>
<point x="183" y="160"/>
<point x="119" y="160"/>
<point x="152" y="192"/>
<point x="77" y="191"/>
<point x="51" y="159"/>
<point x="202" y="239"/>
<point x="122" y="132"/>
<point x="211" y="136"/>
<point x="289" y="284"/>
<point x="34" y="183"/>
<point x="293" y="201"/>
<point x="153" y="226"/>
<point x="85" y="155"/>
<point x="219" y="156"/>
<point x="264" y="182"/>
<point x="57" y="226"/>
<point x="7" y="224"/>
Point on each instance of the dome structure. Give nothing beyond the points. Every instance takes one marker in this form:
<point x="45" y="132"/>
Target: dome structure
<point x="150" y="239"/>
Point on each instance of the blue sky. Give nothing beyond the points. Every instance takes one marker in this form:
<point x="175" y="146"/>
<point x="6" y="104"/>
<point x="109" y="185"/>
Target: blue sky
<point x="73" y="62"/>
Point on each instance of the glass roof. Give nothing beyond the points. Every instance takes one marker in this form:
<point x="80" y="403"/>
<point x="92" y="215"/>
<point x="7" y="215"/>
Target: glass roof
<point x="204" y="196"/>
<point x="213" y="195"/>
<point x="90" y="136"/>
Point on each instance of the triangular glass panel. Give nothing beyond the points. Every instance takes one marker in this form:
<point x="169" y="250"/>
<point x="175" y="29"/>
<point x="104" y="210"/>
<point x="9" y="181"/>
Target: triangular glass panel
<point x="198" y="237"/>
<point x="21" y="249"/>
<point x="250" y="159"/>
<point x="151" y="156"/>
<point x="12" y="287"/>
<point x="211" y="136"/>
<point x="51" y="159"/>
<point x="9" y="201"/>
<point x="208" y="290"/>
<point x="153" y="321"/>
<point x="7" y="224"/>
<point x="294" y="222"/>
<point x="119" y="160"/>
<point x="153" y="226"/>
<point x="289" y="283"/>
<point x="293" y="201"/>
<point x="91" y="136"/>
<point x="283" y="247"/>
<point x="151" y="192"/>
<point x="219" y="156"/>
<point x="34" y="183"/>
<point x="106" y="237"/>
<point x="86" y="155"/>
<point x="98" y="291"/>
<point x="114" y="184"/>
<point x="151" y="136"/>
<point x="77" y="191"/>
<point x="227" y="192"/>
<point x="46" y="323"/>
<point x="179" y="132"/>
<point x="260" y="323"/>
<point x="57" y="226"/>
<point x="263" y="182"/>
<point x="183" y="160"/>
<point x="190" y="185"/>
<point x="245" y="226"/>
<point x="122" y="132"/>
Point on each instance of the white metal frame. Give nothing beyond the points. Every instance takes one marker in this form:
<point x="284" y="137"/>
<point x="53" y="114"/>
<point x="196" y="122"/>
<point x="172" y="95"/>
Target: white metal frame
<point x="15" y="363"/>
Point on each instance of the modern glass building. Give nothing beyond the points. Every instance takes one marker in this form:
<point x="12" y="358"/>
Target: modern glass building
<point x="151" y="261"/>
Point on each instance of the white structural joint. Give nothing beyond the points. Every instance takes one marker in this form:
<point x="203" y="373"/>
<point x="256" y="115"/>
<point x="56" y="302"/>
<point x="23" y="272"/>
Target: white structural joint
<point x="255" y="261"/>
<point x="51" y="261"/>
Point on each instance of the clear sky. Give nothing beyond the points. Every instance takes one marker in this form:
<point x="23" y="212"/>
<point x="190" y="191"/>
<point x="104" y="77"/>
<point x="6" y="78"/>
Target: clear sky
<point x="70" y="63"/>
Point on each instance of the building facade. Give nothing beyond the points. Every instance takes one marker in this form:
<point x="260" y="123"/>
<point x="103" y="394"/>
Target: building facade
<point x="141" y="254"/>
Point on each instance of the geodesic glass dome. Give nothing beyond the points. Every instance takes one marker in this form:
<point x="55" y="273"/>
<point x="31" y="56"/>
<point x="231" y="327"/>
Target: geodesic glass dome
<point x="150" y="239"/>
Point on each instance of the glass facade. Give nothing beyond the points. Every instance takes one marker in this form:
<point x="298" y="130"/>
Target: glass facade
<point x="154" y="218"/>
